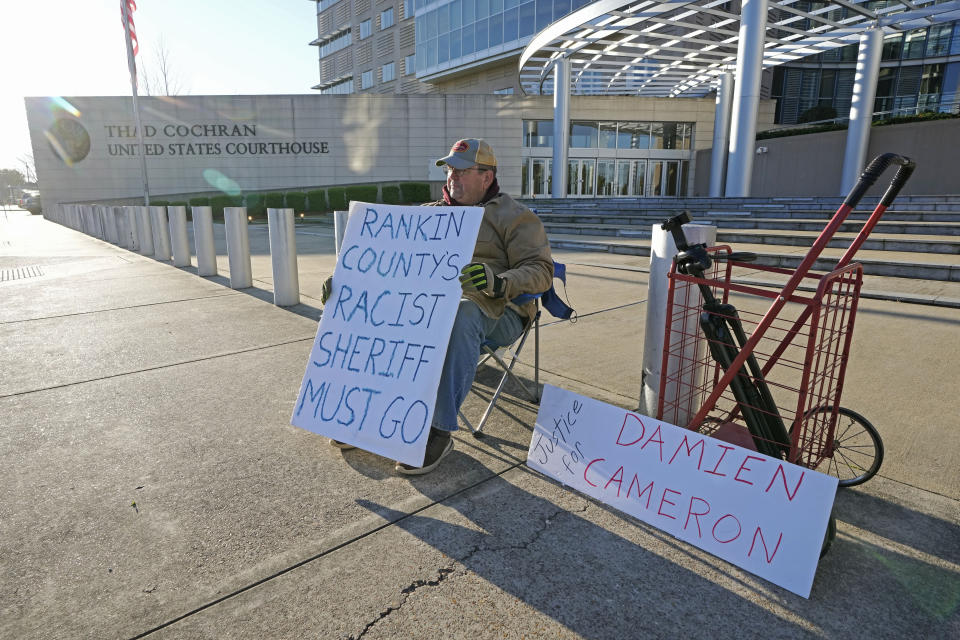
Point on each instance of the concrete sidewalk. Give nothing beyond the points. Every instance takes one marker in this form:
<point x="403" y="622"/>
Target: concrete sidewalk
<point x="154" y="487"/>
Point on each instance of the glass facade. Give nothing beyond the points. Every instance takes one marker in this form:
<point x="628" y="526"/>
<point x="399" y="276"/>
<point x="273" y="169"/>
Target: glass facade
<point x="460" y="30"/>
<point x="336" y="43"/>
<point x="588" y="134"/>
<point x="613" y="168"/>
<point x="340" y="87"/>
<point x="919" y="71"/>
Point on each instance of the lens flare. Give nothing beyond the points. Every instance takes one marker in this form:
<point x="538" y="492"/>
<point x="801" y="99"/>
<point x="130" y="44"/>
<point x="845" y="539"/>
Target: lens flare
<point x="221" y="182"/>
<point x="57" y="102"/>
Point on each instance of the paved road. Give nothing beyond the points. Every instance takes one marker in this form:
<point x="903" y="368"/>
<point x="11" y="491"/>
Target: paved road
<point x="153" y="486"/>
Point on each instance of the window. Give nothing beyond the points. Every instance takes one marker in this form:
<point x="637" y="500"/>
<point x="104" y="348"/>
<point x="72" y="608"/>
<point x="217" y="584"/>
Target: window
<point x="892" y="47"/>
<point x="886" y="80"/>
<point x="506" y="91"/>
<point x="938" y="40"/>
<point x="386" y="18"/>
<point x="656" y="136"/>
<point x="608" y="135"/>
<point x="633" y="135"/>
<point x="409" y="64"/>
<point x="365" y="29"/>
<point x="388" y="72"/>
<point x="335" y="43"/>
<point x="366" y="79"/>
<point x="527" y="11"/>
<point x="914" y="44"/>
<point x="407" y="9"/>
<point x="538" y="133"/>
<point x="583" y="135"/>
<point x="325" y="4"/>
<point x="339" y="87"/>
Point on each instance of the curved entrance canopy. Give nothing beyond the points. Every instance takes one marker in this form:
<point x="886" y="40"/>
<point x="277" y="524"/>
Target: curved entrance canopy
<point x="669" y="49"/>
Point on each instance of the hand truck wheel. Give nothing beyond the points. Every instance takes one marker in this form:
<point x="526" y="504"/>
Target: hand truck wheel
<point x="830" y="534"/>
<point x="857" y="448"/>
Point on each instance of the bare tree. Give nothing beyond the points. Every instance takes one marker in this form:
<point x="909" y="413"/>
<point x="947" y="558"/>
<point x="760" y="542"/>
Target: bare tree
<point x="158" y="78"/>
<point x="28" y="168"/>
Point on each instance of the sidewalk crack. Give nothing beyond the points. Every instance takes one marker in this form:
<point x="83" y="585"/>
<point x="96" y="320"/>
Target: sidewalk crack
<point x="404" y="596"/>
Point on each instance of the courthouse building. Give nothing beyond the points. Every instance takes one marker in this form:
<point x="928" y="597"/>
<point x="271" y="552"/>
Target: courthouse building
<point x="646" y="89"/>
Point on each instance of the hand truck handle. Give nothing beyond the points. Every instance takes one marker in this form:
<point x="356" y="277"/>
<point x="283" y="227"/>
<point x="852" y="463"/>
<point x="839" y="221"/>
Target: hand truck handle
<point x="873" y="172"/>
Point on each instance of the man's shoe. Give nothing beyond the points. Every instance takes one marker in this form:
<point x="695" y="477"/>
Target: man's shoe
<point x="341" y="445"/>
<point x="439" y="444"/>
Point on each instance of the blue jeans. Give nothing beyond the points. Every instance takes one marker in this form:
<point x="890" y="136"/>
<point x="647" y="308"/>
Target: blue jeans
<point x="470" y="330"/>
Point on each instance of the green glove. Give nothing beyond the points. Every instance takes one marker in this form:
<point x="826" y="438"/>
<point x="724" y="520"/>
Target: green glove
<point x="326" y="289"/>
<point x="479" y="276"/>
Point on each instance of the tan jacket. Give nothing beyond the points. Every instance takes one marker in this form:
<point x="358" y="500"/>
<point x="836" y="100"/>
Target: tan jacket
<point x="514" y="244"/>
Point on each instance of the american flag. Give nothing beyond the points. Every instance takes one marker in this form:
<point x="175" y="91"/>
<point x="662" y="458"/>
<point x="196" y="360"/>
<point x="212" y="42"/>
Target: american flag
<point x="127" y="7"/>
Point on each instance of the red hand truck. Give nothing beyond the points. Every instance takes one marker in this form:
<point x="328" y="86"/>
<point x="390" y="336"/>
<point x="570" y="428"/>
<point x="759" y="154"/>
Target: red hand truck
<point x="768" y="373"/>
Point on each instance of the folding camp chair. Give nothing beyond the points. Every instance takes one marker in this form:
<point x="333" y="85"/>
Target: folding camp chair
<point x="557" y="308"/>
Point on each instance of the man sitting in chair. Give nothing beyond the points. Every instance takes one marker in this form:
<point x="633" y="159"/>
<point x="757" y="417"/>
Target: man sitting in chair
<point x="511" y="257"/>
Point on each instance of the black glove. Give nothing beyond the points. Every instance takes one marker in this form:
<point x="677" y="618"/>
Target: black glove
<point x="479" y="276"/>
<point x="326" y="289"/>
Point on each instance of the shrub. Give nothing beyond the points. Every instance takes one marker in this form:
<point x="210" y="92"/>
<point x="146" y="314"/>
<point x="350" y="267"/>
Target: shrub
<point x="390" y="194"/>
<point x="256" y="206"/>
<point x="297" y="200"/>
<point x="217" y="203"/>
<point x="920" y="117"/>
<point x="199" y="202"/>
<point x="273" y="200"/>
<point x="317" y="200"/>
<point x="362" y="192"/>
<point x="337" y="198"/>
<point x="783" y="133"/>
<point x="158" y="203"/>
<point x="415" y="192"/>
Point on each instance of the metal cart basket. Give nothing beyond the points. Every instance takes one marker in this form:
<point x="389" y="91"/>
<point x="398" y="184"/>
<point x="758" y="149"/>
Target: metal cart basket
<point x="756" y="355"/>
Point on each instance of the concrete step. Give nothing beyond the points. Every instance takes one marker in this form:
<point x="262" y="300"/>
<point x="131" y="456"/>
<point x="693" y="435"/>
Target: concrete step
<point x="876" y="241"/>
<point x="902" y="203"/>
<point x="584" y="214"/>
<point x="940" y="267"/>
<point x="853" y="223"/>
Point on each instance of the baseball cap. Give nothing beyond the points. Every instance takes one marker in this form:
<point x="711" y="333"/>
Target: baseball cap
<point x="466" y="153"/>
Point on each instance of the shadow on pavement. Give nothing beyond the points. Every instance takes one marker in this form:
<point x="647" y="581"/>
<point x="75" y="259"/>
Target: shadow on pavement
<point x="601" y="584"/>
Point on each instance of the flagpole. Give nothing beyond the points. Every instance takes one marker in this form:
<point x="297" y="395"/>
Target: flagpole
<point x="132" y="63"/>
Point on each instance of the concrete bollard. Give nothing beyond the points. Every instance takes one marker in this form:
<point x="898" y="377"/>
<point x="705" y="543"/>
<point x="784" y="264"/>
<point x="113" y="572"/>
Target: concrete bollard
<point x="145" y="230"/>
<point x="86" y="219"/>
<point x="92" y="221"/>
<point x="178" y="236"/>
<point x="133" y="228"/>
<point x="110" y="224"/>
<point x="98" y="219"/>
<point x="161" y="233"/>
<point x="339" y="227"/>
<point x="102" y="217"/>
<point x="120" y="222"/>
<point x="238" y="247"/>
<point x="123" y="231"/>
<point x="203" y="239"/>
<point x="283" y="257"/>
<point x="662" y="251"/>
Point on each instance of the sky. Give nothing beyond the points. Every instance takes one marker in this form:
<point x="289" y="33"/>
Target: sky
<point x="77" y="48"/>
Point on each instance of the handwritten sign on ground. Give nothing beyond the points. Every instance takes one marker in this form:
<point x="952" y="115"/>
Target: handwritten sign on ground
<point x="373" y="372"/>
<point x="762" y="514"/>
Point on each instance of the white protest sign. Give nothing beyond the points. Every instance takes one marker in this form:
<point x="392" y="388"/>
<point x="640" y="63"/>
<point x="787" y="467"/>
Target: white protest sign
<point x="374" y="369"/>
<point x="762" y="514"/>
